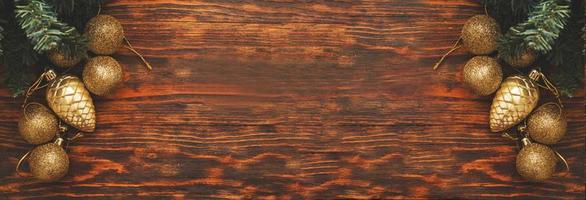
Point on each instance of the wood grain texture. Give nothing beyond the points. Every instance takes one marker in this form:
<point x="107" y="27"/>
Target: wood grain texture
<point x="286" y="99"/>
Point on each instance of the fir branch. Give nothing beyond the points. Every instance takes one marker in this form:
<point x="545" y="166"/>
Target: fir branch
<point x="568" y="53"/>
<point x="1" y="37"/>
<point x="19" y="57"/>
<point x="46" y="32"/>
<point x="511" y="12"/>
<point x="76" y="12"/>
<point x="539" y="33"/>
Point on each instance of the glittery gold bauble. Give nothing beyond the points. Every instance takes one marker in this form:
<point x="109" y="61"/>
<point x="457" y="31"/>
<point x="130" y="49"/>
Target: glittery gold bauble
<point x="536" y="162"/>
<point x="61" y="60"/>
<point x="525" y="59"/>
<point x="102" y="75"/>
<point x="37" y="124"/>
<point x="48" y="162"/>
<point x="516" y="98"/>
<point x="547" y="124"/>
<point x="68" y="98"/>
<point x="480" y="35"/>
<point x="483" y="74"/>
<point x="105" y="34"/>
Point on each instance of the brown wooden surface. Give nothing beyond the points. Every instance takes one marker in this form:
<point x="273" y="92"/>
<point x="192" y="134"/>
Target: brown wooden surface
<point x="288" y="99"/>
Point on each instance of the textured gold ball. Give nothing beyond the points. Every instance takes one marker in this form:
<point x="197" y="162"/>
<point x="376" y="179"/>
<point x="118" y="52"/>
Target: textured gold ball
<point x="483" y="74"/>
<point x="48" y="162"/>
<point x="102" y="75"/>
<point x="105" y="34"/>
<point x="38" y="124"/>
<point x="59" y="59"/>
<point x="480" y="35"/>
<point x="525" y="59"/>
<point x="547" y="124"/>
<point x="536" y="162"/>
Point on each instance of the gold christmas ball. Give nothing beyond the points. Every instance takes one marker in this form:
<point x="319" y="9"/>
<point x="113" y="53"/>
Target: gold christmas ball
<point x="524" y="60"/>
<point x="102" y="75"/>
<point x="483" y="74"/>
<point x="513" y="102"/>
<point x="480" y="35"/>
<point x="70" y="100"/>
<point x="58" y="58"/>
<point x="547" y="124"/>
<point x="536" y="162"/>
<point x="105" y="34"/>
<point x="48" y="162"/>
<point x="37" y="124"/>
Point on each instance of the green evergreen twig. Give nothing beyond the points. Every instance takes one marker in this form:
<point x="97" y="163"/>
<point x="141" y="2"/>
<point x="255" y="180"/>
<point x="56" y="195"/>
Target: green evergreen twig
<point x="46" y="32"/>
<point x="539" y="33"/>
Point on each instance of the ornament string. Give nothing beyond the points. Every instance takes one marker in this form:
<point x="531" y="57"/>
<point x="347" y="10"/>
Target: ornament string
<point x="454" y="48"/>
<point x="22" y="159"/>
<point x="547" y="84"/>
<point x="564" y="161"/>
<point x="129" y="47"/>
<point x="49" y="74"/>
<point x="509" y="136"/>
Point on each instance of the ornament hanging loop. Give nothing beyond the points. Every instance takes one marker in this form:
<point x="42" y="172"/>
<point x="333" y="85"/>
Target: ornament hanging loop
<point x="567" y="166"/>
<point x="509" y="136"/>
<point x="454" y="48"/>
<point x="538" y="77"/>
<point x="19" y="164"/>
<point x="48" y="75"/>
<point x="129" y="47"/>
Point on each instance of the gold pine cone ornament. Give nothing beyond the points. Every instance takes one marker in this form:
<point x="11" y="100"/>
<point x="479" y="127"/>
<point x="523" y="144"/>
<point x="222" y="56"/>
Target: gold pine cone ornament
<point x="69" y="99"/>
<point x="514" y="101"/>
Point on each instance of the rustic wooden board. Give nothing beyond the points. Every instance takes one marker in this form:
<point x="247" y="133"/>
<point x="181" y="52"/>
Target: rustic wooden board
<point x="292" y="99"/>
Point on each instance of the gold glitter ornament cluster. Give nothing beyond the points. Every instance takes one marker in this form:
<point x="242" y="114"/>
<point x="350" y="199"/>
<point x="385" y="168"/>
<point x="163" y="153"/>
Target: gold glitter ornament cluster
<point x="536" y="162"/>
<point x="69" y="99"/>
<point x="525" y="59"/>
<point x="547" y="124"/>
<point x="105" y="34"/>
<point x="516" y="98"/>
<point x="483" y="74"/>
<point x="48" y="162"/>
<point x="58" y="58"/>
<point x="37" y="124"/>
<point x="480" y="35"/>
<point x="102" y="75"/>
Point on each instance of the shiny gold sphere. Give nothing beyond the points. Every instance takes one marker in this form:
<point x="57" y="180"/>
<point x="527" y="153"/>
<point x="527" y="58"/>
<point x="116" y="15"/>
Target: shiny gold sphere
<point x="547" y="124"/>
<point x="48" y="162"/>
<point x="102" y="75"/>
<point x="105" y="34"/>
<point x="480" y="35"/>
<point x="59" y="59"/>
<point x="37" y="124"/>
<point x="483" y="74"/>
<point x="536" y="162"/>
<point x="525" y="59"/>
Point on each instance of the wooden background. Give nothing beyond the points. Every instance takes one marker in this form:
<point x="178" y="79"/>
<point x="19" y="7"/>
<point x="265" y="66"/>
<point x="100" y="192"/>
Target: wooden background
<point x="286" y="99"/>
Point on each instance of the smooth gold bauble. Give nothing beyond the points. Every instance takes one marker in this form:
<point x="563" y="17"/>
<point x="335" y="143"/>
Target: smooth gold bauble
<point x="536" y="162"/>
<point x="105" y="34"/>
<point x="525" y="59"/>
<point x="547" y="124"/>
<point x="59" y="59"/>
<point x="48" y="162"/>
<point x="37" y="124"/>
<point x="69" y="99"/>
<point x="483" y="74"/>
<point x="516" y="98"/>
<point x="102" y="75"/>
<point x="480" y="35"/>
